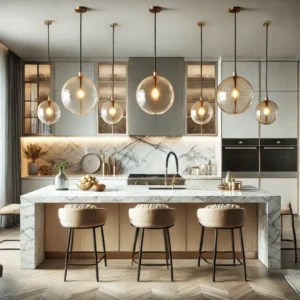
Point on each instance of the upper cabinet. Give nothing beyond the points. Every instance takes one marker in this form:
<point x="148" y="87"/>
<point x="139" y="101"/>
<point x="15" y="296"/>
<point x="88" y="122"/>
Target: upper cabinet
<point x="193" y="95"/>
<point x="36" y="89"/>
<point x="243" y="125"/>
<point x="172" y="123"/>
<point x="71" y="124"/>
<point x="105" y="93"/>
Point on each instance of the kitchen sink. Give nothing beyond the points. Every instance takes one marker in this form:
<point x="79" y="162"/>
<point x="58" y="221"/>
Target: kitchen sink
<point x="166" y="188"/>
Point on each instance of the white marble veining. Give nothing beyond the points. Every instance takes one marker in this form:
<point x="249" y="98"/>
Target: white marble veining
<point x="32" y="231"/>
<point x="133" y="154"/>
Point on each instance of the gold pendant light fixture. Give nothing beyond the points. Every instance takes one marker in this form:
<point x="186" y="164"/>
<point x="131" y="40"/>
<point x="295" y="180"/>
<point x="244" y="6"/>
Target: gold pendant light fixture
<point x="112" y="112"/>
<point x="155" y="94"/>
<point x="48" y="111"/>
<point x="79" y="94"/>
<point x="201" y="111"/>
<point x="235" y="93"/>
<point x="267" y="110"/>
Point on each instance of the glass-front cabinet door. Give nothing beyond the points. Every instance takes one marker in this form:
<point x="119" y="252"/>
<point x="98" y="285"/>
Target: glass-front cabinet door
<point x="193" y="94"/>
<point x="105" y="93"/>
<point x="36" y="89"/>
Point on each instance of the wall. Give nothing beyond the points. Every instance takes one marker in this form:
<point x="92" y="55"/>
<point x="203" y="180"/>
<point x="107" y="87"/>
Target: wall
<point x="134" y="154"/>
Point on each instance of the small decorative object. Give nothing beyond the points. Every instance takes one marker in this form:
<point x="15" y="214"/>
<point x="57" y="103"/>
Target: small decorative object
<point x="61" y="179"/>
<point x="228" y="177"/>
<point x="86" y="182"/>
<point x="99" y="187"/>
<point x="45" y="170"/>
<point x="33" y="152"/>
<point x="90" y="163"/>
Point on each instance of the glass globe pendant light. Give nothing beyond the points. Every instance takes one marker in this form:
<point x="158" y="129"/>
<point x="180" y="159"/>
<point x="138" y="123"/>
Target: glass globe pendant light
<point x="112" y="112"/>
<point x="48" y="111"/>
<point x="155" y="94"/>
<point x="79" y="94"/>
<point x="201" y="112"/>
<point x="235" y="93"/>
<point x="267" y="110"/>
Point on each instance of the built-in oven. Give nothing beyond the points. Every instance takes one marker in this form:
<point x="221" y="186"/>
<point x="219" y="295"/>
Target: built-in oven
<point x="241" y="157"/>
<point x="278" y="158"/>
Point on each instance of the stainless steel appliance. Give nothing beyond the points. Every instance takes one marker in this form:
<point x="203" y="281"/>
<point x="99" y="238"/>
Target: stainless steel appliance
<point x="278" y="158"/>
<point x="154" y="179"/>
<point x="240" y="157"/>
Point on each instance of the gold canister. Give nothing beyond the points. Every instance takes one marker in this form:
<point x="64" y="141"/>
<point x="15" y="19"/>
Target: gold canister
<point x="236" y="185"/>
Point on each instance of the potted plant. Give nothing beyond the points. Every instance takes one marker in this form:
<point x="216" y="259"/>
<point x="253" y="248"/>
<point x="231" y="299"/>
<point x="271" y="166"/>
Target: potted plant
<point x="61" y="179"/>
<point x="33" y="152"/>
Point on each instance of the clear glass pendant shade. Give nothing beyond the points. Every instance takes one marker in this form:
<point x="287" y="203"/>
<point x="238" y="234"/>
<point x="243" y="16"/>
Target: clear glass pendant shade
<point x="48" y="112"/>
<point x="155" y="99"/>
<point x="79" y="100"/>
<point x="111" y="113"/>
<point x="234" y="98"/>
<point x="266" y="112"/>
<point x="201" y="112"/>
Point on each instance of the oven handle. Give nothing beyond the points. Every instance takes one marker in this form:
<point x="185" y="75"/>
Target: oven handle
<point x="279" y="148"/>
<point x="240" y="148"/>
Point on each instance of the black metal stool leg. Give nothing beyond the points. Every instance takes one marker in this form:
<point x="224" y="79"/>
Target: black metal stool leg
<point x="166" y="247"/>
<point x="233" y="248"/>
<point x="170" y="253"/>
<point x="103" y="245"/>
<point x="201" y="244"/>
<point x="140" y="254"/>
<point x="215" y="254"/>
<point x="96" y="255"/>
<point x="71" y="244"/>
<point x="137" y="230"/>
<point x="67" y="255"/>
<point x="294" y="237"/>
<point x="243" y="253"/>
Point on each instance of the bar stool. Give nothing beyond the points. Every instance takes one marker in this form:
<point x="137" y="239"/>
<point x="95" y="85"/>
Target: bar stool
<point x="224" y="217"/>
<point x="288" y="211"/>
<point x="12" y="210"/>
<point x="152" y="217"/>
<point x="83" y="216"/>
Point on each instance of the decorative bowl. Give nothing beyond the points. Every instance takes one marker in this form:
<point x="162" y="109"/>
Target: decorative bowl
<point x="99" y="187"/>
<point x="84" y="186"/>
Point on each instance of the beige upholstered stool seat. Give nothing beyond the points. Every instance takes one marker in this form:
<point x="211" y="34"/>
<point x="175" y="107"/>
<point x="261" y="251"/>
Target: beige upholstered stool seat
<point x="217" y="216"/>
<point x="82" y="216"/>
<point x="11" y="209"/>
<point x="152" y="216"/>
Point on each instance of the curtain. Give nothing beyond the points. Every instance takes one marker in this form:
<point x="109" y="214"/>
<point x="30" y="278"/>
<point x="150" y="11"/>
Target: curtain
<point x="11" y="127"/>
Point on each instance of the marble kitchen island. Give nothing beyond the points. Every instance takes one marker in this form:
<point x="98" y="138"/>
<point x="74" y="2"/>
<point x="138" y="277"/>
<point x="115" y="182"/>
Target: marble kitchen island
<point x="41" y="232"/>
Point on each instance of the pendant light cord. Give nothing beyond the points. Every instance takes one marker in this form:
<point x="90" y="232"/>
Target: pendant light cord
<point x="267" y="42"/>
<point x="235" y="42"/>
<point x="155" y="41"/>
<point x="80" y="41"/>
<point x="48" y="29"/>
<point x="113" y="64"/>
<point x="201" y="61"/>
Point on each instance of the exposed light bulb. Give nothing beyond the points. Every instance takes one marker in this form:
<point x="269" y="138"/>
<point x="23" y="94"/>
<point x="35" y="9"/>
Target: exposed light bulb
<point x="80" y="93"/>
<point x="266" y="111"/>
<point x="49" y="111"/>
<point x="155" y="93"/>
<point x="235" y="93"/>
<point x="201" y="111"/>
<point x="112" y="111"/>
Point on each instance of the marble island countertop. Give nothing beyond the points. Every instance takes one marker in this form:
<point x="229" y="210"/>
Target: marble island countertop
<point x="115" y="194"/>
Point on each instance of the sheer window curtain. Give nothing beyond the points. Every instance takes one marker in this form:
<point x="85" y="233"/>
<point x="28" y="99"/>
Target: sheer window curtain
<point x="10" y="127"/>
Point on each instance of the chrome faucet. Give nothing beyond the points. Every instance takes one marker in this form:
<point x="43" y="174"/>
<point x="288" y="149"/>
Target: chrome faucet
<point x="167" y="165"/>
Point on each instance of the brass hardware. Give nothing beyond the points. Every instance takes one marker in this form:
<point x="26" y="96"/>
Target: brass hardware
<point x="155" y="9"/>
<point x="81" y="9"/>
<point x="235" y="9"/>
<point x="200" y="24"/>
<point x="48" y="22"/>
<point x="114" y="25"/>
<point x="267" y="23"/>
<point x="80" y="74"/>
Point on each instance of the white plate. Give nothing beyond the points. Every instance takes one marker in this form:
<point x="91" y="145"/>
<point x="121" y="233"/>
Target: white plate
<point x="90" y="163"/>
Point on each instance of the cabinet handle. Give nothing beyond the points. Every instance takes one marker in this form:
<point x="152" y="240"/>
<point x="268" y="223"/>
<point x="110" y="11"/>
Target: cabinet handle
<point x="240" y="148"/>
<point x="279" y="148"/>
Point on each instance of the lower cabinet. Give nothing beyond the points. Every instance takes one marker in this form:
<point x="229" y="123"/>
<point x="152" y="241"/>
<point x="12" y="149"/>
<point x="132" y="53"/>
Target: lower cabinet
<point x="287" y="188"/>
<point x="30" y="185"/>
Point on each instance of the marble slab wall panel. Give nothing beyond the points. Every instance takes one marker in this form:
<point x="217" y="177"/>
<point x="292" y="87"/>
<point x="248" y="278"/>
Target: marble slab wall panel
<point x="133" y="154"/>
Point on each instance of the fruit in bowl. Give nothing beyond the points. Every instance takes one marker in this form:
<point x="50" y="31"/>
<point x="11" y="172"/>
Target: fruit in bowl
<point x="86" y="182"/>
<point x="99" y="187"/>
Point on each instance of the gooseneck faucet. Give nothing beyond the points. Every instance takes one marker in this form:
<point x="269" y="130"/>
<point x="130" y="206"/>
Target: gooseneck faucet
<point x="167" y="165"/>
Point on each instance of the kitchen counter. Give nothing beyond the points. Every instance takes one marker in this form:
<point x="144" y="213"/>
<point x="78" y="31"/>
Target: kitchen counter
<point x="32" y="213"/>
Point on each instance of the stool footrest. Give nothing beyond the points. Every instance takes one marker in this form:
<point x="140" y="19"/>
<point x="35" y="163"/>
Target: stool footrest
<point x="149" y="265"/>
<point x="228" y="265"/>
<point x="9" y="240"/>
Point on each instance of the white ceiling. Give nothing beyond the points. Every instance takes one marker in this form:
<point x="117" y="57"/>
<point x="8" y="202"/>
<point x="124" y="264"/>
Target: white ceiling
<point x="22" y="28"/>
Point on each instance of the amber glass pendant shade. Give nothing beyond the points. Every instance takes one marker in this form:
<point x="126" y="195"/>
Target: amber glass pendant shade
<point x="155" y="94"/>
<point x="234" y="95"/>
<point x="201" y="112"/>
<point x="266" y="112"/>
<point x="79" y="94"/>
<point x="155" y="99"/>
<point x="111" y="112"/>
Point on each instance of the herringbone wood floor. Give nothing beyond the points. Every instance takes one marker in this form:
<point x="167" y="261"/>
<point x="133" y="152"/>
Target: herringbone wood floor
<point x="118" y="280"/>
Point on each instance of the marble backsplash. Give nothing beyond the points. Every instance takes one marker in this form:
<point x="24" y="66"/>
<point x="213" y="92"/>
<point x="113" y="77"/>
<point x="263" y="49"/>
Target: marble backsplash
<point x="133" y="154"/>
